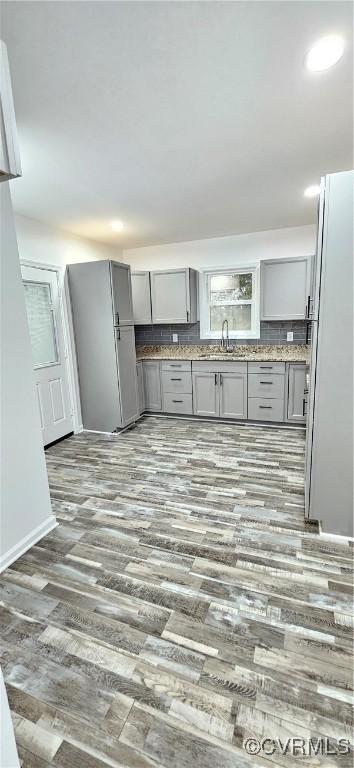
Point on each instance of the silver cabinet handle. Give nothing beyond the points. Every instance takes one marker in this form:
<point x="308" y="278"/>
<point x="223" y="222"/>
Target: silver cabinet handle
<point x="118" y="334"/>
<point x="177" y="401"/>
<point x="176" y="365"/>
<point x="172" y="379"/>
<point x="266" y="406"/>
<point x="221" y="379"/>
<point x="216" y="378"/>
<point x="266" y="382"/>
<point x="304" y="403"/>
<point x="116" y="322"/>
<point x="187" y="315"/>
<point x="266" y="367"/>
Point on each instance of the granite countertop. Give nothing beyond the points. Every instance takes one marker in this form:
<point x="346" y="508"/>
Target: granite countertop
<point x="288" y="353"/>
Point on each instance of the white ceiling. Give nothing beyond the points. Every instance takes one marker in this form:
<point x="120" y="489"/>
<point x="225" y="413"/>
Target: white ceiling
<point x="185" y="120"/>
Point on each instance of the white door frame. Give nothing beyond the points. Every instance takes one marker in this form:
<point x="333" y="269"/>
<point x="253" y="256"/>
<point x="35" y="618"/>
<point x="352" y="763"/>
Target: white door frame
<point x="68" y="333"/>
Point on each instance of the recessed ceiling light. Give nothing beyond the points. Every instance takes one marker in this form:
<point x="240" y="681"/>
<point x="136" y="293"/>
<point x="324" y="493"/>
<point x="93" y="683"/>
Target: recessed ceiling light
<point x="312" y="191"/>
<point x="325" y="53"/>
<point x="117" y="225"/>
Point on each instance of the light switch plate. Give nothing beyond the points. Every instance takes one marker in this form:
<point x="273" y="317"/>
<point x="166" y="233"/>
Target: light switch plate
<point x="290" y="336"/>
<point x="175" y="337"/>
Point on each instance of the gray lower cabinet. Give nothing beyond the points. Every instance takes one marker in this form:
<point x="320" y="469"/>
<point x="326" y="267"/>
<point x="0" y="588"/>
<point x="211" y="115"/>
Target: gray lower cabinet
<point x="220" y="389"/>
<point x="266" y="385"/>
<point x="176" y="381"/>
<point x="141" y="388"/>
<point x="228" y="390"/>
<point x="126" y="364"/>
<point x="177" y="403"/>
<point x="266" y="391"/>
<point x="265" y="409"/>
<point x="205" y="393"/>
<point x="297" y="393"/>
<point x="233" y="395"/>
<point x="152" y="385"/>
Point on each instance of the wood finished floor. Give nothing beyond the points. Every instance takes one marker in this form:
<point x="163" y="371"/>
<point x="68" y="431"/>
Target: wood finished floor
<point x="180" y="606"/>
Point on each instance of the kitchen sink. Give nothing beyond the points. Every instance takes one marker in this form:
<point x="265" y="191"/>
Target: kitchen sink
<point x="221" y="356"/>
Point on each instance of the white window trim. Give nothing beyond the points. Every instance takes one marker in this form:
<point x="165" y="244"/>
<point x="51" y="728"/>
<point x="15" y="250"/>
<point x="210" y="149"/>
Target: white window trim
<point x="205" y="332"/>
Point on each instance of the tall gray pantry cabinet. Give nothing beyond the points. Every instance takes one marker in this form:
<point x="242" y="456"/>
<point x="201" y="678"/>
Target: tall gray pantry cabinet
<point x="329" y="449"/>
<point x="102" y="310"/>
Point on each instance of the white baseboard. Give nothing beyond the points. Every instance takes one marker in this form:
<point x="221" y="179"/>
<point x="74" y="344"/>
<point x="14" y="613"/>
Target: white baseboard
<point x="98" y="432"/>
<point x="341" y="538"/>
<point x="27" y="542"/>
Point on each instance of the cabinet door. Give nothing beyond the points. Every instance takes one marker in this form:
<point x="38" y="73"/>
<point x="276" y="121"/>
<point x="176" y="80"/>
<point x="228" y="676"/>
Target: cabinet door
<point x="233" y="395"/>
<point x="296" y="392"/>
<point x="170" y="296"/>
<point x="126" y="364"/>
<point x="205" y="393"/>
<point x="285" y="288"/>
<point x="141" y="298"/>
<point x="152" y="385"/>
<point x="121" y="294"/>
<point x="141" y="390"/>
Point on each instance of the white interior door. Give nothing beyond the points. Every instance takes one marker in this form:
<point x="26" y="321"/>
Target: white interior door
<point x="48" y="350"/>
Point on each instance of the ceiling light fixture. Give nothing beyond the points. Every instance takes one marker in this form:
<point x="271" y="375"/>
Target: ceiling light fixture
<point x="117" y="225"/>
<point x="325" y="53"/>
<point x="312" y="191"/>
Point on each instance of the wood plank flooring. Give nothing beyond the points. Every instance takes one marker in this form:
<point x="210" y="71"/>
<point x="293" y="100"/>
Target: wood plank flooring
<point x="181" y="606"/>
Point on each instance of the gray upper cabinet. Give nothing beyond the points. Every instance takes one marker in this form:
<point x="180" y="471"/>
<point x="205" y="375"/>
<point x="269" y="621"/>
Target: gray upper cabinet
<point x="285" y="288"/>
<point x="121" y="294"/>
<point x="233" y="395"/>
<point x="141" y="298"/>
<point x="205" y="394"/>
<point x="174" y="296"/>
<point x="152" y="385"/>
<point x="296" y="407"/>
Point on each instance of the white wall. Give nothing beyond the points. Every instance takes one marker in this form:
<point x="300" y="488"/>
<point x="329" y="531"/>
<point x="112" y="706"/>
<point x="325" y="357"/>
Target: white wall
<point x="26" y="513"/>
<point x="47" y="245"/>
<point x="223" y="251"/>
<point x="40" y="242"/>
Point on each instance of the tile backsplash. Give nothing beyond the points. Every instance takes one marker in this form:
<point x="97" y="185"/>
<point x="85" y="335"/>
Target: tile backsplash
<point x="272" y="332"/>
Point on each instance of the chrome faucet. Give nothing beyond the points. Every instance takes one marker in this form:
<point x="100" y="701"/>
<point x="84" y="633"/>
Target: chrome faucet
<point x="225" y="341"/>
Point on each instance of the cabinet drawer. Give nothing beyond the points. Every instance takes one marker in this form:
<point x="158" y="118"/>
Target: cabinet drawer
<point x="176" y="365"/>
<point x="177" y="381"/>
<point x="265" y="409"/>
<point x="266" y="367"/>
<point x="219" y="366"/>
<point x="173" y="403"/>
<point x="266" y="385"/>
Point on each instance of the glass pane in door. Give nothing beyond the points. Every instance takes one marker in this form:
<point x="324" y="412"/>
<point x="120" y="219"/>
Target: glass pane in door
<point x="41" y="323"/>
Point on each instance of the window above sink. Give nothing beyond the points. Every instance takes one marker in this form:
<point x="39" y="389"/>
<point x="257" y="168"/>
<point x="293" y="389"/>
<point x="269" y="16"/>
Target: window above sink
<point x="230" y="294"/>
